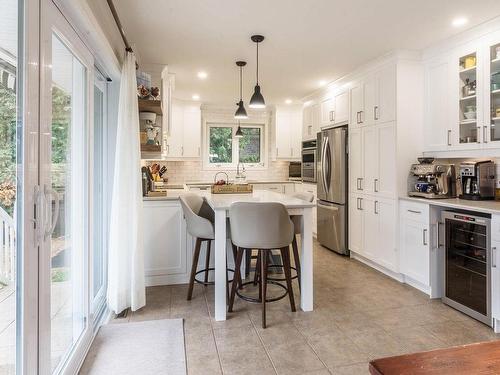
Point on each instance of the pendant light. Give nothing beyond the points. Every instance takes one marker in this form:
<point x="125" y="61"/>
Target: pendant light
<point x="241" y="112"/>
<point x="257" y="100"/>
<point x="239" y="133"/>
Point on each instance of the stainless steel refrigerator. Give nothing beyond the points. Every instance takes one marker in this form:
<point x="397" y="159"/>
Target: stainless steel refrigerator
<point x="332" y="189"/>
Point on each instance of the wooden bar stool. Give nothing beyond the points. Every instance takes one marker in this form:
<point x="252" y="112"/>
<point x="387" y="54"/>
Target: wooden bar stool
<point x="200" y="224"/>
<point x="265" y="227"/>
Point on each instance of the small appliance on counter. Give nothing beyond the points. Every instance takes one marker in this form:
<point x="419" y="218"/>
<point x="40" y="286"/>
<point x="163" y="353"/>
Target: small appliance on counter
<point x="429" y="180"/>
<point x="477" y="180"/>
<point x="295" y="170"/>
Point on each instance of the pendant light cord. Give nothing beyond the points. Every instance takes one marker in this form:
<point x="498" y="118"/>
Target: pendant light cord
<point x="241" y="85"/>
<point x="257" y="63"/>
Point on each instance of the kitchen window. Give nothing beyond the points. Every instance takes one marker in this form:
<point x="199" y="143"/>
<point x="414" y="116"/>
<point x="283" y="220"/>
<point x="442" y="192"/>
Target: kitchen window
<point x="225" y="150"/>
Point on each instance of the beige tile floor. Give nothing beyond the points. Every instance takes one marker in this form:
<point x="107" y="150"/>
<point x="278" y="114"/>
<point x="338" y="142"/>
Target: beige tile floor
<point x="359" y="315"/>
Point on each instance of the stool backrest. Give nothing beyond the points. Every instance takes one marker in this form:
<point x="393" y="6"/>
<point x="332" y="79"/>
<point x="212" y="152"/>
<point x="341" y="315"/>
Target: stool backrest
<point x="305" y="196"/>
<point x="199" y="216"/>
<point x="256" y="225"/>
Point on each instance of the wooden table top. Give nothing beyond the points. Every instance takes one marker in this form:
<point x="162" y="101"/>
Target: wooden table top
<point x="481" y="358"/>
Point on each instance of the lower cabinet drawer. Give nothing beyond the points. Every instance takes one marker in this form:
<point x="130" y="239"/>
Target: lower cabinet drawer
<point x="414" y="211"/>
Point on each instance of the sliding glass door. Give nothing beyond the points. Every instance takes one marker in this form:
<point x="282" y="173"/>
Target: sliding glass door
<point x="66" y="118"/>
<point x="10" y="182"/>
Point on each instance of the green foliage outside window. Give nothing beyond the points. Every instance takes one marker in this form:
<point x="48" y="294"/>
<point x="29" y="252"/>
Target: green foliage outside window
<point x="250" y="145"/>
<point x="221" y="145"/>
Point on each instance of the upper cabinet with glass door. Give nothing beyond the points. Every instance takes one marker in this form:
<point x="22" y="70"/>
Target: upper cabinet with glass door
<point x="469" y="126"/>
<point x="492" y="126"/>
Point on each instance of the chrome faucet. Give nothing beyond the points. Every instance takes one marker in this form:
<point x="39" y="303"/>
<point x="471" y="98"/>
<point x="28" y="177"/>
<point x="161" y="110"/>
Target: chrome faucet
<point x="238" y="174"/>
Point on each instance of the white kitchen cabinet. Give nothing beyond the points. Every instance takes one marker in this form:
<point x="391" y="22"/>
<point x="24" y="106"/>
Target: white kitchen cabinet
<point x="379" y="232"/>
<point x="370" y="156"/>
<point x="437" y="127"/>
<point x="495" y="271"/>
<point x="357" y="104"/>
<point x="316" y="119"/>
<point x="378" y="172"/>
<point x="167" y="245"/>
<point x="355" y="218"/>
<point x="307" y="122"/>
<point x="355" y="160"/>
<point x="386" y="94"/>
<point x="327" y="108"/>
<point x="184" y="139"/>
<point x="335" y="110"/>
<point x="341" y="108"/>
<point x="373" y="98"/>
<point x="288" y="133"/>
<point x="414" y="244"/>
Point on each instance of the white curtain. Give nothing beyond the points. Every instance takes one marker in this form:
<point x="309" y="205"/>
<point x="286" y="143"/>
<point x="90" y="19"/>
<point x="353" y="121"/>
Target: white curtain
<point x="126" y="254"/>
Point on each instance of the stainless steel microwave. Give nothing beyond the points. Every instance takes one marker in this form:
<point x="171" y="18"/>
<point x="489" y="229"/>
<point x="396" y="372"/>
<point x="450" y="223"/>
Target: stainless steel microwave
<point x="309" y="161"/>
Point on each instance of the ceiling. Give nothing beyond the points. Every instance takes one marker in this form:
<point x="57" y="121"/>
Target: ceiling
<point x="306" y="41"/>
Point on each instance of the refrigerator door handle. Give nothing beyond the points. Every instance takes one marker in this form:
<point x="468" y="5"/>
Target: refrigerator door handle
<point x="323" y="164"/>
<point x="328" y="157"/>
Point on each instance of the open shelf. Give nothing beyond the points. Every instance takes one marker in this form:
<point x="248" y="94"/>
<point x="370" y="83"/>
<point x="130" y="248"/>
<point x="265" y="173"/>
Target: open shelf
<point x="146" y="105"/>
<point x="470" y="97"/>
<point x="468" y="70"/>
<point x="468" y="121"/>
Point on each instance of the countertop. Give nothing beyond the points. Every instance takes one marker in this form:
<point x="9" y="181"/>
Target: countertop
<point x="189" y="183"/>
<point x="490" y="207"/>
<point x="224" y="201"/>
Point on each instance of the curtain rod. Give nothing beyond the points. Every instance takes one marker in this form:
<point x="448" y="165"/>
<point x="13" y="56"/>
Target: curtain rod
<point x="119" y="25"/>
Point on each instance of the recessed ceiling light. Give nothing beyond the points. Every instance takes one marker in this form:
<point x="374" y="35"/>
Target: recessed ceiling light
<point x="322" y="82"/>
<point x="196" y="97"/>
<point x="202" y="75"/>
<point x="288" y="101"/>
<point x="459" y="21"/>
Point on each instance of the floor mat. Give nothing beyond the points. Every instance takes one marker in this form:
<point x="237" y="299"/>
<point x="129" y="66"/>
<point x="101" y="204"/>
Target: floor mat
<point x="151" y="347"/>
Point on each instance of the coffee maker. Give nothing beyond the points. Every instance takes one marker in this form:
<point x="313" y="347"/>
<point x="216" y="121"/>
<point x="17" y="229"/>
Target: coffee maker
<point x="477" y="180"/>
<point x="429" y="180"/>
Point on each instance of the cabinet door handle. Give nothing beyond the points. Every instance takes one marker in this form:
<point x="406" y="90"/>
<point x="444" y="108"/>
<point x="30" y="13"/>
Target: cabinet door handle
<point x="361" y="179"/>
<point x="357" y="203"/>
<point x="277" y="151"/>
<point x="375" y="113"/>
<point x="199" y="151"/>
<point x="478" y="134"/>
<point x="358" y="184"/>
<point x="375" y="207"/>
<point x="494" y="257"/>
<point x="375" y="185"/>
<point x="424" y="237"/>
<point x="361" y="116"/>
<point x="438" y="242"/>
<point x="415" y="212"/>
<point x="448" y="138"/>
<point x="291" y="151"/>
<point x="485" y="134"/>
<point x="182" y="150"/>
<point x="360" y="204"/>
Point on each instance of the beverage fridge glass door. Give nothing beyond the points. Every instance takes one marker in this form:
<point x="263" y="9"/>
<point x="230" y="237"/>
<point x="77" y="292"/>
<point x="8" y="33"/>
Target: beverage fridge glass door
<point x="332" y="170"/>
<point x="467" y="264"/>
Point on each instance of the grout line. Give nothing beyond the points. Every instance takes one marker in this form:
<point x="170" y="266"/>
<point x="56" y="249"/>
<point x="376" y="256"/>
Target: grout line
<point x="212" y="331"/>
<point x="262" y="343"/>
<point x="309" y="345"/>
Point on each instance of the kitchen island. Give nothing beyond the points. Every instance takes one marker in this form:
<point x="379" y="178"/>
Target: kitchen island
<point x="169" y="248"/>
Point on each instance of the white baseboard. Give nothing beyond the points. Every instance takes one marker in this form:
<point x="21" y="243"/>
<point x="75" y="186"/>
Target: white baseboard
<point x="417" y="285"/>
<point x="395" y="275"/>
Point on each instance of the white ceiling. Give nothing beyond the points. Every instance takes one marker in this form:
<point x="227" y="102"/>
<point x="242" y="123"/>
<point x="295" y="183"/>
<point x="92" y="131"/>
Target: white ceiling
<point x="306" y="41"/>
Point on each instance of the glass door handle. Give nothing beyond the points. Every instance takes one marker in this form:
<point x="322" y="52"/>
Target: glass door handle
<point x="485" y="134"/>
<point x="438" y="242"/>
<point x="37" y="215"/>
<point x="424" y="237"/>
<point x="54" y="216"/>
<point x="448" y="138"/>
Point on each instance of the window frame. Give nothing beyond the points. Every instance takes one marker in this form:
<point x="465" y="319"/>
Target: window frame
<point x="207" y="165"/>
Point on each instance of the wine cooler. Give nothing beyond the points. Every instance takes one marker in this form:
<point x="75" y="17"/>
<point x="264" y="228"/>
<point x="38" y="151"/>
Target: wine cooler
<point x="467" y="264"/>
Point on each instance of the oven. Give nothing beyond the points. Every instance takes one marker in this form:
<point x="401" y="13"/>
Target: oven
<point x="309" y="161"/>
<point x="467" y="264"/>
